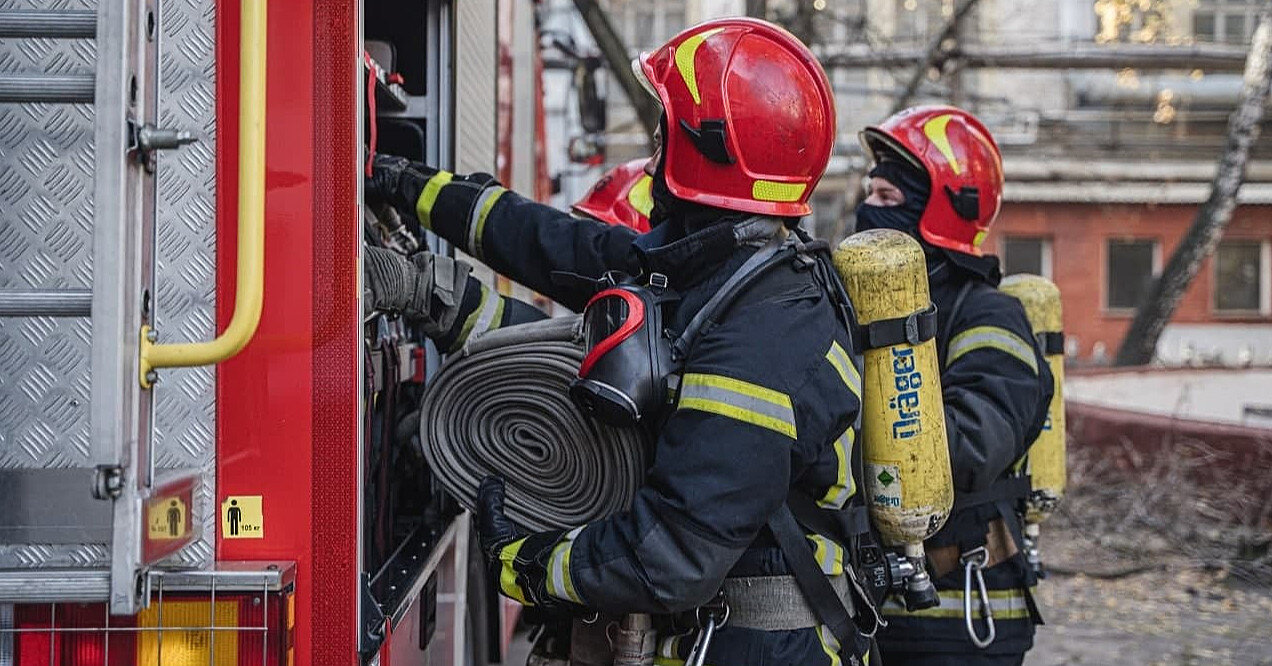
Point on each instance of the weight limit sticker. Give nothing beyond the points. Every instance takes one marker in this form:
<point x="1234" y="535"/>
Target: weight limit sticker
<point x="242" y="518"/>
<point x="884" y="484"/>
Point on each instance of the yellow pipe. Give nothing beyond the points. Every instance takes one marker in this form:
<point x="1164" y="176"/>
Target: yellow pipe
<point x="250" y="273"/>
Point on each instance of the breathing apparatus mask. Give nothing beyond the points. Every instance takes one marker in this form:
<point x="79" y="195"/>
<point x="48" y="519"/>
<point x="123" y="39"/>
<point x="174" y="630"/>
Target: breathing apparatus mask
<point x="631" y="355"/>
<point x="623" y="377"/>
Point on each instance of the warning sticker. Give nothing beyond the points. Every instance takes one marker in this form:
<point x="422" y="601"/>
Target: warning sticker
<point x="166" y="518"/>
<point x="884" y="482"/>
<point x="242" y="518"/>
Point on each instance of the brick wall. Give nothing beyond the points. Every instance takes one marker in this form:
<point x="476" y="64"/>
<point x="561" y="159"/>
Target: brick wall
<point x="1078" y="235"/>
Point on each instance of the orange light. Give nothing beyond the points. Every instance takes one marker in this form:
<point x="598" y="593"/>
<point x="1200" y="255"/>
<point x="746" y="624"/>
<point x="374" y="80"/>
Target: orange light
<point x="188" y="647"/>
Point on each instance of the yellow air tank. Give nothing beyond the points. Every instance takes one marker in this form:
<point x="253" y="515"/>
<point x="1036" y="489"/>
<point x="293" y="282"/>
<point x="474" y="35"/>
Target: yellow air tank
<point x="1045" y="462"/>
<point x="904" y="450"/>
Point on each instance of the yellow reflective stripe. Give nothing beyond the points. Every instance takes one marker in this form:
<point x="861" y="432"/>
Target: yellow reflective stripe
<point x="477" y="225"/>
<point x="829" y="555"/>
<point x="471" y="322"/>
<point x="847" y="370"/>
<point x="641" y="197"/>
<point x="991" y="337"/>
<point x="424" y="205"/>
<point x="734" y="398"/>
<point x="830" y="644"/>
<point x="559" y="583"/>
<point x="845" y="486"/>
<point x="1005" y="605"/>
<point x="508" y="575"/>
<point x="935" y="129"/>
<point x="767" y="190"/>
<point x="684" y="61"/>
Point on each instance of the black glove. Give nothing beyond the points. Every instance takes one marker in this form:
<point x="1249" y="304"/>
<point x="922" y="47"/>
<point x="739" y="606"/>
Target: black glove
<point x="424" y="286"/>
<point x="518" y="560"/>
<point x="398" y="182"/>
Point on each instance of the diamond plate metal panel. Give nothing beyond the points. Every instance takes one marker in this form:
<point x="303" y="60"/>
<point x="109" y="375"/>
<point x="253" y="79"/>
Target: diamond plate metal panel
<point x="46" y="218"/>
<point x="185" y="293"/>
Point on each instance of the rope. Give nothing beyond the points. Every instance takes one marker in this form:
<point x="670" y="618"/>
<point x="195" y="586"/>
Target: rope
<point x="501" y="406"/>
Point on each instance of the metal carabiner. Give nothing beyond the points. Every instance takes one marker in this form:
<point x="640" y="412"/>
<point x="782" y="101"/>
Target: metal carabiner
<point x="973" y="562"/>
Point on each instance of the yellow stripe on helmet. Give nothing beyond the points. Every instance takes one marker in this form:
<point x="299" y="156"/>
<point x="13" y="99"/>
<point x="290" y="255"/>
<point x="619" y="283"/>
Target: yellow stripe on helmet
<point x="684" y="61"/>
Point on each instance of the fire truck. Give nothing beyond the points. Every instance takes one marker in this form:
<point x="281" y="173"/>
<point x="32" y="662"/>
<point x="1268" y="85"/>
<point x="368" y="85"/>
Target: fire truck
<point x="207" y="452"/>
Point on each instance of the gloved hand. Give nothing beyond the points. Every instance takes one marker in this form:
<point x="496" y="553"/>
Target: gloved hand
<point x="425" y="286"/>
<point x="517" y="559"/>
<point x="398" y="181"/>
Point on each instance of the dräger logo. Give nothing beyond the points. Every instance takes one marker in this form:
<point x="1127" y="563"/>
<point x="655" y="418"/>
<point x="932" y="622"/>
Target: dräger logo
<point x="907" y="380"/>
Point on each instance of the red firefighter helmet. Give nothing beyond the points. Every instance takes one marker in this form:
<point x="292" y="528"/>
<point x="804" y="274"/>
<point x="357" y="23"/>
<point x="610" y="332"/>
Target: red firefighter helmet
<point x="620" y="197"/>
<point x="750" y="116"/>
<point x="963" y="163"/>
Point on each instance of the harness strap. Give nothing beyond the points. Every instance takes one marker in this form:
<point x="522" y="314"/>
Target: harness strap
<point x="914" y="328"/>
<point x="840" y="524"/>
<point x="774" y="603"/>
<point x="1051" y="342"/>
<point x="756" y="265"/>
<point x="830" y="608"/>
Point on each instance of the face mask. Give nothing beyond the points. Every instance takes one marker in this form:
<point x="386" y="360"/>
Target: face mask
<point x="901" y="218"/>
<point x="905" y="217"/>
<point x="623" y="376"/>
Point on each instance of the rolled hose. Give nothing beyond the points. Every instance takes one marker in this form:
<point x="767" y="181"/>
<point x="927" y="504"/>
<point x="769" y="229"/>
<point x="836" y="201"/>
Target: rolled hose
<point x="502" y="406"/>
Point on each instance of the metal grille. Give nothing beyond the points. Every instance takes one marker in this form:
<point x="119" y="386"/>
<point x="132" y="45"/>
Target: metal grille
<point x="46" y="220"/>
<point x="205" y="617"/>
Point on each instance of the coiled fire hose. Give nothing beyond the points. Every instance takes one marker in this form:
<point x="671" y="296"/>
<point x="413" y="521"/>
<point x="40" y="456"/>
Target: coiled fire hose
<point x="502" y="406"/>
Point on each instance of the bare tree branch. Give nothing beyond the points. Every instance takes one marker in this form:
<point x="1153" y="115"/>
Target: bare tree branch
<point x="936" y="51"/>
<point x="1140" y="343"/>
<point x="619" y="61"/>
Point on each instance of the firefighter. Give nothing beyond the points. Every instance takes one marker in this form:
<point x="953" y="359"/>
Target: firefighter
<point x="767" y="397"/>
<point x="938" y="176"/>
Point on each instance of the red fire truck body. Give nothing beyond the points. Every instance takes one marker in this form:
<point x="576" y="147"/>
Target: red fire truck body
<point x="286" y="548"/>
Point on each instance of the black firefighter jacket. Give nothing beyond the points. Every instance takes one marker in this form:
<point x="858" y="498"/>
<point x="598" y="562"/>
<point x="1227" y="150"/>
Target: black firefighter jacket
<point x="767" y="401"/>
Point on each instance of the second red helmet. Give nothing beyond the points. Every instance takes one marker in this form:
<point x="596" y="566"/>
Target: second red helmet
<point x="750" y="116"/>
<point x="963" y="162"/>
<point x="621" y="197"/>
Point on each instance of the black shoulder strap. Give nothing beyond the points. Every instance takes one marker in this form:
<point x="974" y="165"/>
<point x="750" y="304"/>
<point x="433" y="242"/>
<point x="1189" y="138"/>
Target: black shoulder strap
<point x="810" y="578"/>
<point x="943" y="337"/>
<point x="708" y="316"/>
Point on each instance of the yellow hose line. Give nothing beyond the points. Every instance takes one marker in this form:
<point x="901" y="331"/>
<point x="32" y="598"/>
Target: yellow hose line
<point x="250" y="278"/>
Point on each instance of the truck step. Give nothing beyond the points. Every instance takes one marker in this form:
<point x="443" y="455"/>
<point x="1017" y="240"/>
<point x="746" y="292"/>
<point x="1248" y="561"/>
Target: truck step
<point x="46" y="303"/>
<point x="69" y="24"/>
<point x="57" y="88"/>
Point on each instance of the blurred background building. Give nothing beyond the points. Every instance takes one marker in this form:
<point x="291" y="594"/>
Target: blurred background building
<point x="1111" y="115"/>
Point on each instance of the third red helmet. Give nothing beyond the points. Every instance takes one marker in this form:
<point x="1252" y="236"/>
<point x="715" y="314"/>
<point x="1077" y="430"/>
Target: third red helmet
<point x="963" y="163"/>
<point x="620" y="197"/>
<point x="750" y="116"/>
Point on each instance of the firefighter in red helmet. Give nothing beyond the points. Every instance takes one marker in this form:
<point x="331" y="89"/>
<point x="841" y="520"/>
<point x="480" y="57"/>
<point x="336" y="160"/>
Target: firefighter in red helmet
<point x="938" y="176"/>
<point x="751" y="428"/>
<point x="622" y="196"/>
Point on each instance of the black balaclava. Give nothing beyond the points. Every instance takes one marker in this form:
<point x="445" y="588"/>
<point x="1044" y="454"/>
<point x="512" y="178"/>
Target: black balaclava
<point x="915" y="184"/>
<point x="912" y="181"/>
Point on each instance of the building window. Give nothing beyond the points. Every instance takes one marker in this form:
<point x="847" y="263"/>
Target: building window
<point x="1026" y="255"/>
<point x="1228" y="21"/>
<point x="1131" y="266"/>
<point x="1242" y="277"/>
